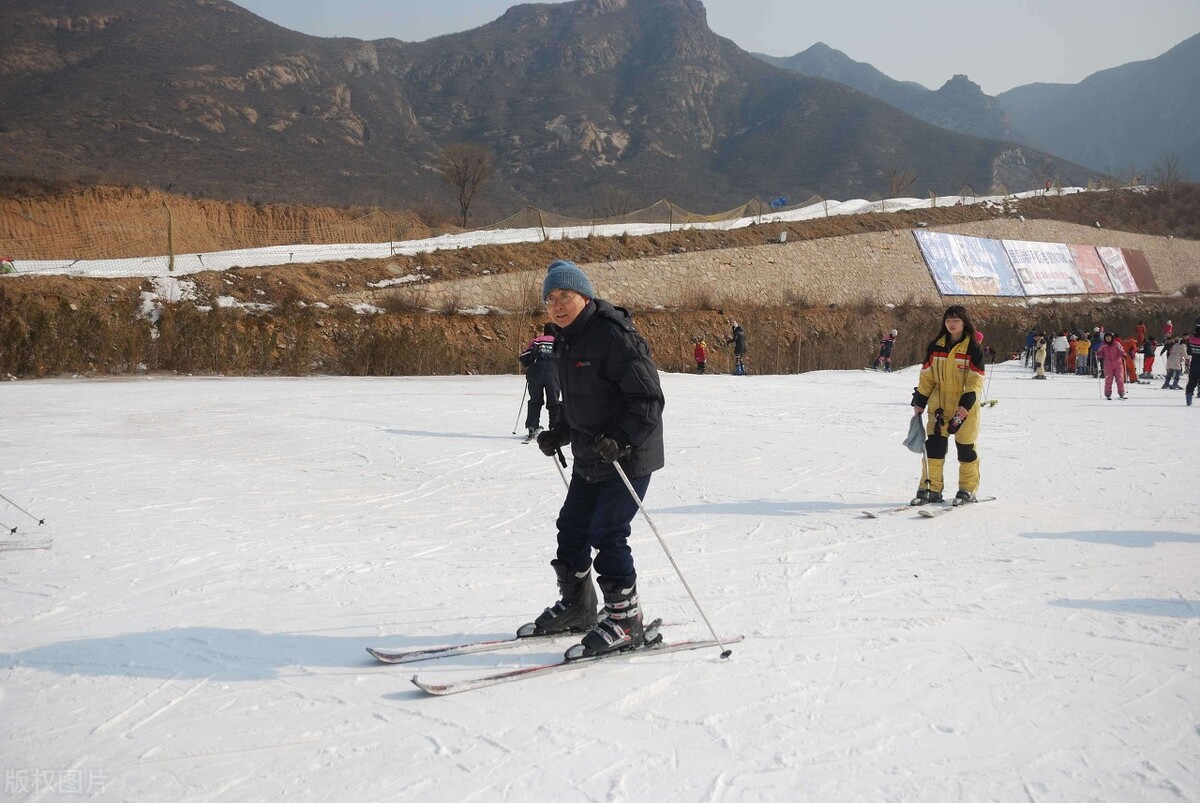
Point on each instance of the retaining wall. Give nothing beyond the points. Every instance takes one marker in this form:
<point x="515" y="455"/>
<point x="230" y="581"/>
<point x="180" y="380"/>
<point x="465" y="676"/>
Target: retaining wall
<point x="879" y="267"/>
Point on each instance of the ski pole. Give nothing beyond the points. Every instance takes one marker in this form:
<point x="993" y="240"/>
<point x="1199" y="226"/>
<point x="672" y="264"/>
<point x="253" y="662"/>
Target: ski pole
<point x="937" y="430"/>
<point x="23" y="510"/>
<point x="522" y="406"/>
<point x="560" y="468"/>
<point x="11" y="530"/>
<point x="725" y="653"/>
<point x="925" y="457"/>
<point x="988" y="385"/>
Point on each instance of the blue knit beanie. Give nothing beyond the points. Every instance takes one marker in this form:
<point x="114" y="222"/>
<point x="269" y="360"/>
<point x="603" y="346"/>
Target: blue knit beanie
<point x="564" y="274"/>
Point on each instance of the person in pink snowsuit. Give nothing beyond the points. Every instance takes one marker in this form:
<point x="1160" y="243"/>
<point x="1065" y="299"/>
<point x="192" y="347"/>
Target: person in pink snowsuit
<point x="1112" y="352"/>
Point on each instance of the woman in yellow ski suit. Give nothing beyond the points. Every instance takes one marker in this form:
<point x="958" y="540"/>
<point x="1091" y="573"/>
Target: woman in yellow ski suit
<point x="949" y="388"/>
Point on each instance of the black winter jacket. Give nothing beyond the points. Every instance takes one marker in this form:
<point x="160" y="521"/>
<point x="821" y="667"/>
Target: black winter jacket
<point x="609" y="387"/>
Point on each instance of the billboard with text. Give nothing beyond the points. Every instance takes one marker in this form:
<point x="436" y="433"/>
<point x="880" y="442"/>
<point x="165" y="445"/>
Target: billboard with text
<point x="1118" y="272"/>
<point x="977" y="266"/>
<point x="967" y="266"/>
<point x="1045" y="269"/>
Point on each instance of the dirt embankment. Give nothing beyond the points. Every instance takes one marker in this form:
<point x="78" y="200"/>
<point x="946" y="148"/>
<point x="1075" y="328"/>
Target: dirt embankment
<point x="117" y="222"/>
<point x="58" y="324"/>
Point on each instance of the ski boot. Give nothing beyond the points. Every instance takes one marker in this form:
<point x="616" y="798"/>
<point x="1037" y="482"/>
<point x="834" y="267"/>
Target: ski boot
<point x="926" y="497"/>
<point x="575" y="612"/>
<point x="963" y="498"/>
<point x="532" y="433"/>
<point x="620" y="629"/>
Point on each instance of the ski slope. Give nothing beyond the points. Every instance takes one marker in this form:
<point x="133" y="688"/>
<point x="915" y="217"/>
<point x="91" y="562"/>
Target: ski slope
<point x="225" y="550"/>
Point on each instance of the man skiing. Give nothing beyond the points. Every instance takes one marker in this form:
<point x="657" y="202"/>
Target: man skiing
<point x="612" y="413"/>
<point x="542" y="378"/>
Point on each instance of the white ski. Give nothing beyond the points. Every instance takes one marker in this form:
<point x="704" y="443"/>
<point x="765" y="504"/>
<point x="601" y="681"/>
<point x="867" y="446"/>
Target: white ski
<point x="526" y="672"/>
<point x="932" y="511"/>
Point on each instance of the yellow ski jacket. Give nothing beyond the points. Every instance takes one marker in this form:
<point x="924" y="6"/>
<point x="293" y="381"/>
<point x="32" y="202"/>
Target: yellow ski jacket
<point x="952" y="377"/>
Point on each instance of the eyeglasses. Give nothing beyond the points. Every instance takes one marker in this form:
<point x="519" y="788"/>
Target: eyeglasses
<point x="561" y="299"/>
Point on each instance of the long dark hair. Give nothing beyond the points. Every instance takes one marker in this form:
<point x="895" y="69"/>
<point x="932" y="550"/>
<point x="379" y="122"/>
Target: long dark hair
<point x="961" y="313"/>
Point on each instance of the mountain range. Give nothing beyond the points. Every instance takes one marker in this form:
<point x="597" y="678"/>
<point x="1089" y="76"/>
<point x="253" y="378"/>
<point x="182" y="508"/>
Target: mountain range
<point x="580" y="103"/>
<point x="1120" y="121"/>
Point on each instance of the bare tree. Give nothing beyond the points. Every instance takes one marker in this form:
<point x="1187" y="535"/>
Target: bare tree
<point x="1043" y="174"/>
<point x="899" y="180"/>
<point x="613" y="202"/>
<point x="466" y="167"/>
<point x="1167" y="173"/>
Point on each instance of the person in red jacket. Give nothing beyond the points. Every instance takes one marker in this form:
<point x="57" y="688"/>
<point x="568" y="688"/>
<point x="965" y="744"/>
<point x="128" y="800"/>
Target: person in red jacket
<point x="701" y="354"/>
<point x="1131" y="350"/>
<point x="1149" y="350"/>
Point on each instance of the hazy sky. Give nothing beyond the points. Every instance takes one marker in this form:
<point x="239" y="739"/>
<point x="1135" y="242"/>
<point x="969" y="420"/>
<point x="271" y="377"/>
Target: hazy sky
<point x="998" y="43"/>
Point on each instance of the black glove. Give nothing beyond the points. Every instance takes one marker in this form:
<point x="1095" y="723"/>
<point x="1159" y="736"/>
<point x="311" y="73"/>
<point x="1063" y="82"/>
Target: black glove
<point x="551" y="441"/>
<point x="610" y="450"/>
<point x="956" y="422"/>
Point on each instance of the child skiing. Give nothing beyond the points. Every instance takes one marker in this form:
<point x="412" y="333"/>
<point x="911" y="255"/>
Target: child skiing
<point x="700" y="353"/>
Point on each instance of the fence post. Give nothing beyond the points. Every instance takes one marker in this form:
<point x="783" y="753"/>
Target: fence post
<point x="170" y="240"/>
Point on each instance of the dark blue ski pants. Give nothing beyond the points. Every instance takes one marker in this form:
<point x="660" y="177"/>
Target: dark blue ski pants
<point x="597" y="515"/>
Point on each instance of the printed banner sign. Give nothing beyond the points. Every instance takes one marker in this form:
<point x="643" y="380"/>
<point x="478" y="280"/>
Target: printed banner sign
<point x="1045" y="269"/>
<point x="1090" y="268"/>
<point x="1139" y="268"/>
<point x="1118" y="271"/>
<point x="976" y="266"/>
<point x="967" y="266"/>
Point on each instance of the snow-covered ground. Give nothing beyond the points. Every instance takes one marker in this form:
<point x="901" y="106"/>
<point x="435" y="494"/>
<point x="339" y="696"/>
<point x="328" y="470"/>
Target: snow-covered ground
<point x="302" y="252"/>
<point x="224" y="549"/>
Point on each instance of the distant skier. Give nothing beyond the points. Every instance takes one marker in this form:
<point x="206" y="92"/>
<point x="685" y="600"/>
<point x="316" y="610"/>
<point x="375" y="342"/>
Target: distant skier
<point x="542" y="378"/>
<point x="1061" y="344"/>
<point x="1149" y="352"/>
<point x="612" y="413"/>
<point x="949" y="387"/>
<point x="886" y="345"/>
<point x="1039" y="357"/>
<point x="1175" y="348"/>
<point x="1193" y="352"/>
<point x="738" y="338"/>
<point x="1083" y="348"/>
<point x="1112" y="358"/>
<point x="700" y="353"/>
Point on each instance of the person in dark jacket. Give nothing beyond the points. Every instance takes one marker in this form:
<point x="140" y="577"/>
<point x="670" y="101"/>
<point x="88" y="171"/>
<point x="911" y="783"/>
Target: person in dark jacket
<point x="541" y="376"/>
<point x="1192" y="345"/>
<point x="738" y="338"/>
<point x="611" y="413"/>
<point x="884" y="360"/>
